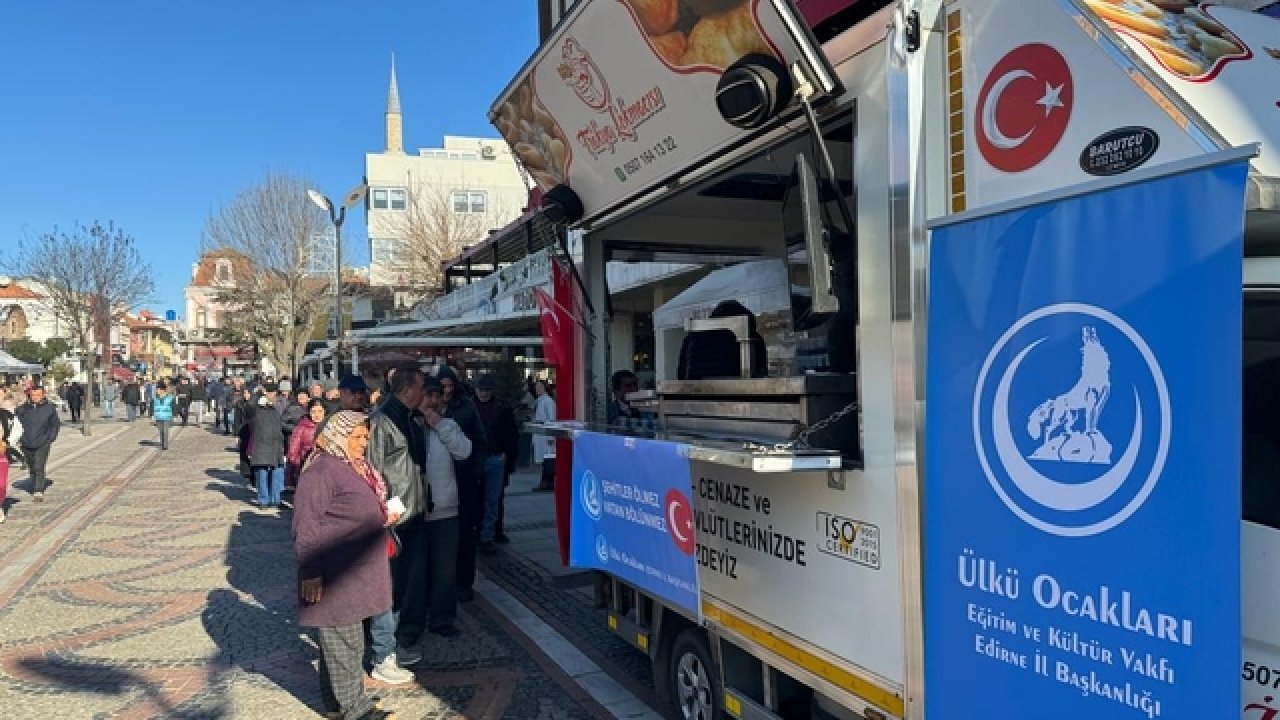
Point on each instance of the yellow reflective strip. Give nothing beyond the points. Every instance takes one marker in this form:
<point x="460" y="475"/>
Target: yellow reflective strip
<point x="613" y="623"/>
<point x="642" y="642"/>
<point x="843" y="679"/>
<point x="732" y="705"/>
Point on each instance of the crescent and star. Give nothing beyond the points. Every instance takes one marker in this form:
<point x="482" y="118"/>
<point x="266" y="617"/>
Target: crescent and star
<point x="1051" y="100"/>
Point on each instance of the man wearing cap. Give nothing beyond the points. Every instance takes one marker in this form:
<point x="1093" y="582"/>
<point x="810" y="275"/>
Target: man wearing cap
<point x="503" y="434"/>
<point x="354" y="393"/>
<point x="397" y="450"/>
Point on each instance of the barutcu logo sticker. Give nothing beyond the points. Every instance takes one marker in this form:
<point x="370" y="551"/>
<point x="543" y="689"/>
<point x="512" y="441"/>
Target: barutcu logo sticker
<point x="1072" y="419"/>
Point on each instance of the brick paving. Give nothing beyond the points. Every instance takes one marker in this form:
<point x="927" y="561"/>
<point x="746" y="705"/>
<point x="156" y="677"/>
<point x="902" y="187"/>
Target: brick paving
<point x="147" y="586"/>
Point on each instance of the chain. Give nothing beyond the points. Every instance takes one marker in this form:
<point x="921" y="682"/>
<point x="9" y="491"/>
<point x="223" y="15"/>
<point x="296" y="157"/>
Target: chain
<point x="800" y="441"/>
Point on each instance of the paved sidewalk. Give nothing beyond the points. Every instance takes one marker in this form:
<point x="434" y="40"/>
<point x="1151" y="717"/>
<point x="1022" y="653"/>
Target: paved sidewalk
<point x="159" y="592"/>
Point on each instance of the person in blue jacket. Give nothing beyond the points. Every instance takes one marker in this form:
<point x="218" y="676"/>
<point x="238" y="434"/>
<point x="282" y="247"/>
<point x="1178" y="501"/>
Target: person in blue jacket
<point x="162" y="410"/>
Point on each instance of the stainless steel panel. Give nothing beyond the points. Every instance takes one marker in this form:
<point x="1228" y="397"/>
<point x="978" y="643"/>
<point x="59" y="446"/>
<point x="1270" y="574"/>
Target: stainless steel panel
<point x="730" y="427"/>
<point x="776" y="412"/>
<point x="808" y="384"/>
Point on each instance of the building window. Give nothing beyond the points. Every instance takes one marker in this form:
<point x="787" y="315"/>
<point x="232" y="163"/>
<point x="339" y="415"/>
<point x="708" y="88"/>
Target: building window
<point x="470" y="201"/>
<point x="222" y="272"/>
<point x="389" y="199"/>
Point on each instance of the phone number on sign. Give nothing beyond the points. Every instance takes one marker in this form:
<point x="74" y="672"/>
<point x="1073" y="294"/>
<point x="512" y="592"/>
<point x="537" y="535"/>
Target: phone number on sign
<point x="1261" y="674"/>
<point x="647" y="156"/>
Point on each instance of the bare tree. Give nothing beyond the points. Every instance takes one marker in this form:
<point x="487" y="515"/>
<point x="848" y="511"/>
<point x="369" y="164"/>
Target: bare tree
<point x="91" y="277"/>
<point x="435" y="231"/>
<point x="274" y="300"/>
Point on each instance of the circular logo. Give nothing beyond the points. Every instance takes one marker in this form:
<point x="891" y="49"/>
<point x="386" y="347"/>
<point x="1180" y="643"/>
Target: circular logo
<point x="680" y="520"/>
<point x="1024" y="107"/>
<point x="1072" y="419"/>
<point x="590" y="496"/>
<point x="602" y="549"/>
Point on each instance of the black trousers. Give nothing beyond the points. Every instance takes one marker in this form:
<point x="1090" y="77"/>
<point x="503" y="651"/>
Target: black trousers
<point x="37" y="459"/>
<point x="75" y="411"/>
<point x="470" y="519"/>
<point x="409" y="592"/>
<point x="184" y="409"/>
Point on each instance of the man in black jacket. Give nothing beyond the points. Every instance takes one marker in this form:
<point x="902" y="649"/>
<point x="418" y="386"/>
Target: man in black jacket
<point x="75" y="401"/>
<point x="503" y="434"/>
<point x="182" y="399"/>
<point x="40" y="426"/>
<point x="397" y="450"/>
<point x="132" y="396"/>
<point x="460" y="408"/>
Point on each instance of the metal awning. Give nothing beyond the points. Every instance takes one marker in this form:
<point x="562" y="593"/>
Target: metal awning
<point x="476" y="325"/>
<point x="11" y="364"/>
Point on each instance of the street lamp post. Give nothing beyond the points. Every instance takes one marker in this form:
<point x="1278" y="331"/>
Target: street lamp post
<point x="337" y="215"/>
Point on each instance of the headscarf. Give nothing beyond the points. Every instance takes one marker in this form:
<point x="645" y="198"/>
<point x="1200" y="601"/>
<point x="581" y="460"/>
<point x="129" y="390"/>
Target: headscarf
<point x="333" y="440"/>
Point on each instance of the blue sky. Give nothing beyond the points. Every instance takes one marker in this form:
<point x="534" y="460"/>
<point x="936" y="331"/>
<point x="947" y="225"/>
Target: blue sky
<point x="152" y="113"/>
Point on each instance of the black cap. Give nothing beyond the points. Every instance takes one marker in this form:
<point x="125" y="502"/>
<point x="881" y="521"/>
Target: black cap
<point x="486" y="382"/>
<point x="353" y="382"/>
<point x="269" y="387"/>
<point x="433" y="384"/>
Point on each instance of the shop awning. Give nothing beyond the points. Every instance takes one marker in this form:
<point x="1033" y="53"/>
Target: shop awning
<point x="11" y="364"/>
<point x="761" y="285"/>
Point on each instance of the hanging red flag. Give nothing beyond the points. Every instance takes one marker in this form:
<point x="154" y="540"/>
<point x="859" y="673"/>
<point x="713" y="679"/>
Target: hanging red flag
<point x="559" y="347"/>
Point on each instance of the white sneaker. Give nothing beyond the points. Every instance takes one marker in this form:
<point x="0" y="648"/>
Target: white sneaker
<point x="390" y="672"/>
<point x="406" y="656"/>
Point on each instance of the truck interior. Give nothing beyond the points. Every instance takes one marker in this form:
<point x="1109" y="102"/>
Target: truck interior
<point x="1260" y="459"/>
<point x="778" y="206"/>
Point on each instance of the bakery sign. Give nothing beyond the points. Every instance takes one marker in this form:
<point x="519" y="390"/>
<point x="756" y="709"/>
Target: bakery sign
<point x="621" y="97"/>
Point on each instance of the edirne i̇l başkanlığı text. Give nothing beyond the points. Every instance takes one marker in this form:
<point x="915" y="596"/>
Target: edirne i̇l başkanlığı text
<point x="1067" y="654"/>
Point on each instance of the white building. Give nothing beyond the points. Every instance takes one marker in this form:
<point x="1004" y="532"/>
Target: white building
<point x="448" y="197"/>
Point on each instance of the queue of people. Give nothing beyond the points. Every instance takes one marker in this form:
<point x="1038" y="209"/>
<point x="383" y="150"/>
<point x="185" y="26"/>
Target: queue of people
<point x="395" y="495"/>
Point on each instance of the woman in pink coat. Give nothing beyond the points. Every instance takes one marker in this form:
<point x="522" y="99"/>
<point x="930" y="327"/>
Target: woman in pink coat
<point x="301" y="442"/>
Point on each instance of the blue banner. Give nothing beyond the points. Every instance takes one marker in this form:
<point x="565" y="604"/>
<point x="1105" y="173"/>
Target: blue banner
<point x="1082" y="488"/>
<point x="633" y="516"/>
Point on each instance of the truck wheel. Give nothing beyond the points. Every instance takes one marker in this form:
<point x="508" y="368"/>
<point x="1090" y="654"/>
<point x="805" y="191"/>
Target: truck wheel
<point x="692" y="684"/>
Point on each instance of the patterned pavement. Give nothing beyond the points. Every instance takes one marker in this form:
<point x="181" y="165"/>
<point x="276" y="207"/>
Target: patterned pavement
<point x="147" y="586"/>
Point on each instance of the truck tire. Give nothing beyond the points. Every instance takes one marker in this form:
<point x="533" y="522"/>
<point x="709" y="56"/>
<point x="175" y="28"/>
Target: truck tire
<point x="689" y="684"/>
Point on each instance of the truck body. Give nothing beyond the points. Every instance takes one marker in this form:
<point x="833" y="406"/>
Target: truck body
<point x="810" y="554"/>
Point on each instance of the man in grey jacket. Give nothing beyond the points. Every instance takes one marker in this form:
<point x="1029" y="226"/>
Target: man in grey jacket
<point x="397" y="449"/>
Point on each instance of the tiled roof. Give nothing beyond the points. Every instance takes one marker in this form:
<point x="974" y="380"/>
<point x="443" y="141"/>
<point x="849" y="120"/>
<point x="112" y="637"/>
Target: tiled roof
<point x="14" y="291"/>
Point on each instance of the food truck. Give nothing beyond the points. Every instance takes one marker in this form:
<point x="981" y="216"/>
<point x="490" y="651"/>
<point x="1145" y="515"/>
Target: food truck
<point x="810" y="507"/>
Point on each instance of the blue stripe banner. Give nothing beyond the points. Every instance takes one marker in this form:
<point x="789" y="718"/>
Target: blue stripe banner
<point x="1082" y="495"/>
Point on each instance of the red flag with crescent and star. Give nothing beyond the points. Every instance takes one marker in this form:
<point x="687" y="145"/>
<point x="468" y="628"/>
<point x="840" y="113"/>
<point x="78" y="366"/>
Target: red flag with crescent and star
<point x="559" y="348"/>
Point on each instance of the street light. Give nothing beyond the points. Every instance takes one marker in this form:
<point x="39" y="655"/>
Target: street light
<point x="336" y="215"/>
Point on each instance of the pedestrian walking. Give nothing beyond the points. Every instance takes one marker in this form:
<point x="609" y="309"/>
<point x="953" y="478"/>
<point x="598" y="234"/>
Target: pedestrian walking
<point x="459" y="407"/>
<point x="266" y="448"/>
<point x="8" y="438"/>
<point x="398" y="450"/>
<point x="40" y="427"/>
<point x="218" y="402"/>
<point x="198" y="398"/>
<point x="75" y="401"/>
<point x="148" y="393"/>
<point x="182" y="400"/>
<point x="544" y="446"/>
<point x="504" y="437"/>
<point x="132" y="397"/>
<point x="447" y="447"/>
<point x="340" y="541"/>
<point x="110" y="394"/>
<point x="162" y="410"/>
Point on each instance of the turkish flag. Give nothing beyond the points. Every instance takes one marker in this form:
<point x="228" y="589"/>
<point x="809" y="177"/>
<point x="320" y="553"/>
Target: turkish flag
<point x="559" y="347"/>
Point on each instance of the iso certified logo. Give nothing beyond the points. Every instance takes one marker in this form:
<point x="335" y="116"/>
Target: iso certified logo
<point x="590" y="495"/>
<point x="1072" y="419"/>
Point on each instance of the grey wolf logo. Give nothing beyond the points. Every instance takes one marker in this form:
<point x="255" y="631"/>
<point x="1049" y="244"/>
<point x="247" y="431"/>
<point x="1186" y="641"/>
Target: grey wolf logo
<point x="1068" y="423"/>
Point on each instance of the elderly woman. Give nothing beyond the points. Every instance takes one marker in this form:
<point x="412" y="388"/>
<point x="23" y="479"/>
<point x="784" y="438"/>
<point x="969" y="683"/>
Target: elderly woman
<point x="340" y="538"/>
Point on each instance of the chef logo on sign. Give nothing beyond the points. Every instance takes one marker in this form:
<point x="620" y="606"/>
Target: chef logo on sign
<point x="1023" y="108"/>
<point x="1071" y="419"/>
<point x="581" y="74"/>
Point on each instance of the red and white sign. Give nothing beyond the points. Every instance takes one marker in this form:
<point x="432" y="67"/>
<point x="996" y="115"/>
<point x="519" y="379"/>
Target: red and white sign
<point x="680" y="520"/>
<point x="1038" y="90"/>
<point x="1024" y="107"/>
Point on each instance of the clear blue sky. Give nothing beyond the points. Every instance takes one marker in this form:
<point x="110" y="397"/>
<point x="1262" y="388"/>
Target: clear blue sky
<point x="153" y="113"/>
